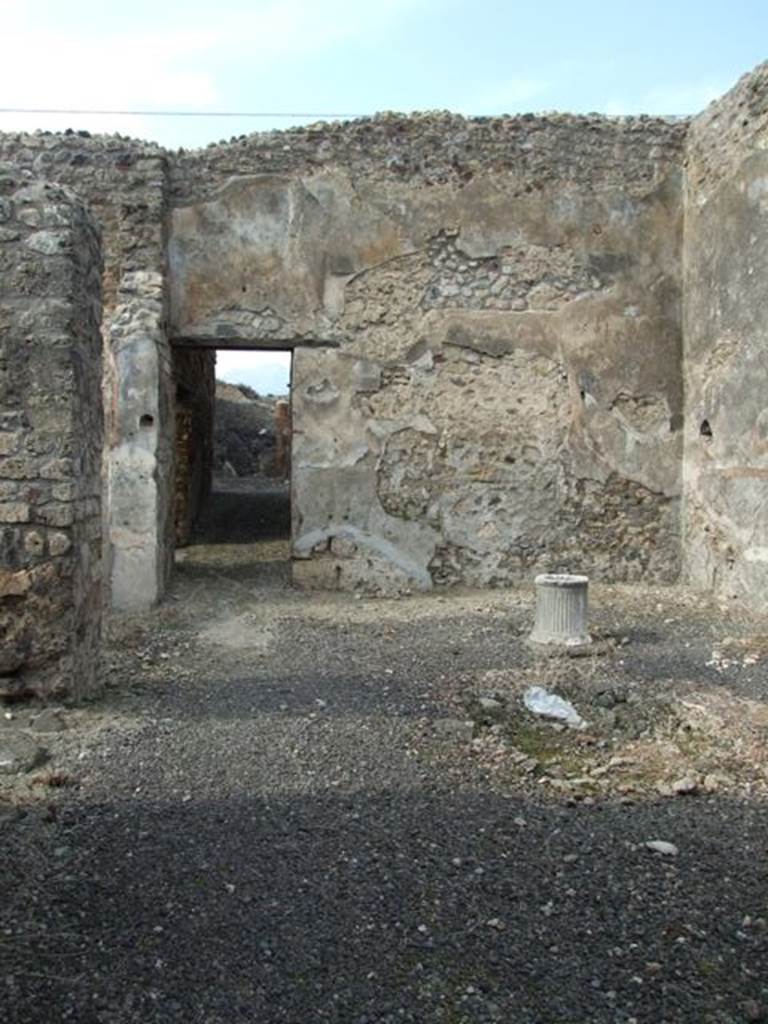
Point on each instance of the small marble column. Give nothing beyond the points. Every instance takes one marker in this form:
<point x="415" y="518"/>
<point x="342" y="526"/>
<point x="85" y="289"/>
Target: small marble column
<point x="561" y="610"/>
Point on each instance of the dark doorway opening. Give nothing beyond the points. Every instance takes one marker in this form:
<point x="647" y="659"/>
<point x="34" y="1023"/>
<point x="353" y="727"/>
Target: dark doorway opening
<point x="240" y="513"/>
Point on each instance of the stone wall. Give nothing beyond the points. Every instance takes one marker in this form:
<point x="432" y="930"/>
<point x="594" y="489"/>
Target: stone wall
<point x="486" y="320"/>
<point x="123" y="183"/>
<point x="726" y="345"/>
<point x="51" y="440"/>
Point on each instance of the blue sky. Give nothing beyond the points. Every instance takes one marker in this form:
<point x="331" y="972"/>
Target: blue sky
<point x="358" y="57"/>
<point x="266" y="372"/>
<point x="339" y="56"/>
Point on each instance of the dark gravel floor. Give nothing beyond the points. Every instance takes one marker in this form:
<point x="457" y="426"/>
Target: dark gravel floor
<point x="244" y="510"/>
<point x="275" y="842"/>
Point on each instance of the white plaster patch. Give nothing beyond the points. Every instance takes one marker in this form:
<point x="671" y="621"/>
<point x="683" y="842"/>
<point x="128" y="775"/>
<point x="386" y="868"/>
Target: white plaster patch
<point x="756" y="554"/>
<point x="758" y="188"/>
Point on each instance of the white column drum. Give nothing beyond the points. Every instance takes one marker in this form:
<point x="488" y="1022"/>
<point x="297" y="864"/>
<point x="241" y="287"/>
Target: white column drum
<point x="561" y="610"/>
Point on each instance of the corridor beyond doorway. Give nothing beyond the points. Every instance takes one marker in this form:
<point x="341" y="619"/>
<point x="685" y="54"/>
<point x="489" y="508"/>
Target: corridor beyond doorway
<point x="242" y="512"/>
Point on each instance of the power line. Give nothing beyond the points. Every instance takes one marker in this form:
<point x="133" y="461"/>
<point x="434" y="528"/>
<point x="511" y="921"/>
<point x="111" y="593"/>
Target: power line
<point x="174" y="113"/>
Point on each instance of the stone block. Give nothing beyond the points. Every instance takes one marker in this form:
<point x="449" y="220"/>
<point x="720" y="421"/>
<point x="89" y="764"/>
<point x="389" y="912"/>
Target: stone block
<point x="343" y="547"/>
<point x="55" y="515"/>
<point x="34" y="542"/>
<point x="14" y="512"/>
<point x="18" y="753"/>
<point x="14" y="584"/>
<point x="18" y="469"/>
<point x="49" y="243"/>
<point x="9" y="442"/>
<point x="59" y="543"/>
<point x="11" y="659"/>
<point x="64" y="492"/>
<point x="316" y="574"/>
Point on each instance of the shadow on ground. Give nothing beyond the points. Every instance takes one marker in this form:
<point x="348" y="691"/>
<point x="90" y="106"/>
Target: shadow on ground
<point x="392" y="906"/>
<point x="283" y="837"/>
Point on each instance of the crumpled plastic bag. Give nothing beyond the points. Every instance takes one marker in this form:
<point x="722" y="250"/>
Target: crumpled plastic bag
<point x="549" y="705"/>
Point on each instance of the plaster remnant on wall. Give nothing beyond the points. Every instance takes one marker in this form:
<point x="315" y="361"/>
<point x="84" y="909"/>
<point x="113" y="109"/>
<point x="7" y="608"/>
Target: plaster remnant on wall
<point x="726" y="339"/>
<point x="139" y="459"/>
<point x="464" y="296"/>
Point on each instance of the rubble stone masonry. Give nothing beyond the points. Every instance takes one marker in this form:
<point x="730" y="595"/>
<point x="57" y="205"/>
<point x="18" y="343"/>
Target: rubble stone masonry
<point x="51" y="439"/>
<point x="503" y="329"/>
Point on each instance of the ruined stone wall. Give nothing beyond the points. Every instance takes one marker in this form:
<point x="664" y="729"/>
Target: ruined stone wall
<point x="726" y="345"/>
<point x="486" y="323"/>
<point x="123" y="183"/>
<point x="195" y="377"/>
<point x="50" y="442"/>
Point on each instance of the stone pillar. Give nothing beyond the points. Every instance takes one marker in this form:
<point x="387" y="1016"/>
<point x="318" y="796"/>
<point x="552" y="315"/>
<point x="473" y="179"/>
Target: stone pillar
<point x="140" y="463"/>
<point x="51" y="438"/>
<point x="561" y="610"/>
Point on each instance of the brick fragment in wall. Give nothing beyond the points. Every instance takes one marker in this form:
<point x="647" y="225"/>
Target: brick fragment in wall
<point x="9" y="442"/>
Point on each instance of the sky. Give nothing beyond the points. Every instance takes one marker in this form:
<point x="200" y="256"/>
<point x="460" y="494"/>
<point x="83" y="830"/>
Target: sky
<point x="269" y="373"/>
<point x="324" y="58"/>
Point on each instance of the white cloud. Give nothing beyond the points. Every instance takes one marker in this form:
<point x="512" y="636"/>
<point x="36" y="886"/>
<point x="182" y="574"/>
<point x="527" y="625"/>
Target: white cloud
<point x="45" y="68"/>
<point x="80" y="62"/>
<point x="111" y="71"/>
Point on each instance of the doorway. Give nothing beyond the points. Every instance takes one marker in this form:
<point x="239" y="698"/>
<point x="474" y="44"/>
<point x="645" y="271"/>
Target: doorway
<point x="233" y="459"/>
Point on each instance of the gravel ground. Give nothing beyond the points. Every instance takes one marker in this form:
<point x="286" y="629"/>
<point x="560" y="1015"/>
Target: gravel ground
<point x="279" y="814"/>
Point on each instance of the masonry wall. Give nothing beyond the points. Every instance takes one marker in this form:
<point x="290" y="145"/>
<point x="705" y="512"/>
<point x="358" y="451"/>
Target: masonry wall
<point x="486" y="323"/>
<point x="51" y="437"/>
<point x="123" y="183"/>
<point x="487" y="318"/>
<point x="726" y="345"/>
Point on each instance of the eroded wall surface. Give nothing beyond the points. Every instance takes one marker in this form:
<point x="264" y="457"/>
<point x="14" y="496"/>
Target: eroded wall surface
<point x="486" y="318"/>
<point x="123" y="183"/>
<point x="726" y="345"/>
<point x="51" y="437"/>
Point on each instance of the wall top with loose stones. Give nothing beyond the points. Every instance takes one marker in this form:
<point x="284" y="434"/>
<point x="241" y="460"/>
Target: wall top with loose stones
<point x="438" y="148"/>
<point x="122" y="182"/>
<point x="70" y="156"/>
<point x="721" y="136"/>
<point x="429" y="148"/>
